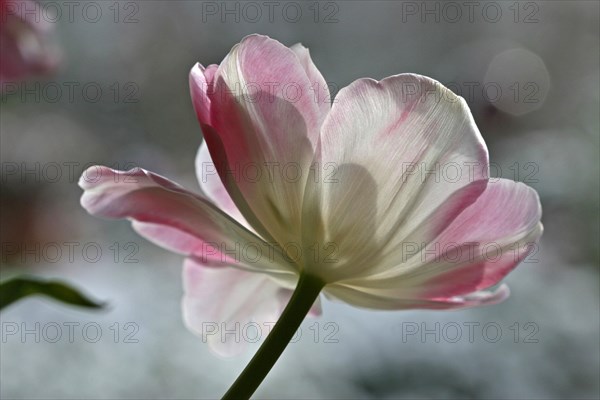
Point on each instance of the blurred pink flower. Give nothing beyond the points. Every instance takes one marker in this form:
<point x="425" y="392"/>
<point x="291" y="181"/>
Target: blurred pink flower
<point x="384" y="195"/>
<point x="24" y="46"/>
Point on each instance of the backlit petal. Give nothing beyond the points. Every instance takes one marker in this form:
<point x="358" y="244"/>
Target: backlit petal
<point x="213" y="188"/>
<point x="177" y="219"/>
<point x="263" y="125"/>
<point x="398" y="149"/>
<point x="218" y="300"/>
<point x="477" y="250"/>
<point x="374" y="301"/>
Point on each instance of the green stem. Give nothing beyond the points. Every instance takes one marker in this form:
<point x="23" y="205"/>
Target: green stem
<point x="303" y="298"/>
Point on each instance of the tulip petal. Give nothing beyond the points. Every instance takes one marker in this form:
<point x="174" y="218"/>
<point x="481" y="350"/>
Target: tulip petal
<point x="319" y="86"/>
<point x="476" y="250"/>
<point x="177" y="219"/>
<point x="246" y="304"/>
<point x="394" y="135"/>
<point x="201" y="85"/>
<point x="213" y="188"/>
<point x="381" y="302"/>
<point x="262" y="129"/>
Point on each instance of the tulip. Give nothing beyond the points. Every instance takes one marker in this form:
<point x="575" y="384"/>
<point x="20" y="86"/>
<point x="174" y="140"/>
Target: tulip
<point x="24" y="41"/>
<point x="380" y="198"/>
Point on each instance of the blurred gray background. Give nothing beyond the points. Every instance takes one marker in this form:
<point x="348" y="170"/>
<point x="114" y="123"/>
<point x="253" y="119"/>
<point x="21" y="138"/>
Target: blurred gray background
<point x="542" y="128"/>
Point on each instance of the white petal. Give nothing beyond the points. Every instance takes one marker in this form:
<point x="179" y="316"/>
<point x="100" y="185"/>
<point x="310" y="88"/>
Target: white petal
<point x="213" y="188"/>
<point x="222" y="300"/>
<point x="381" y="138"/>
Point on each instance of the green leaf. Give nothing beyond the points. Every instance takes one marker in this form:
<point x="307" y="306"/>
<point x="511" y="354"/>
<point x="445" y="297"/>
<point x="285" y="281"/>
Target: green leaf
<point x="17" y="288"/>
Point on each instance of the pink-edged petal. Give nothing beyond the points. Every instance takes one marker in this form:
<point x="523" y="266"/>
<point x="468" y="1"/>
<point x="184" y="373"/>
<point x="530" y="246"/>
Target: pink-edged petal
<point x="502" y="228"/>
<point x="377" y="144"/>
<point x="221" y="300"/>
<point x="261" y="131"/>
<point x="319" y="87"/>
<point x="177" y="219"/>
<point x="368" y="259"/>
<point x="201" y="85"/>
<point x="477" y="249"/>
<point x="213" y="188"/>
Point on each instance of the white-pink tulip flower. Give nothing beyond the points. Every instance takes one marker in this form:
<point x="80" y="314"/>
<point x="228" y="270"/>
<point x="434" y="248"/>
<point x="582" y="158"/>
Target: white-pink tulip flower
<point x="380" y="198"/>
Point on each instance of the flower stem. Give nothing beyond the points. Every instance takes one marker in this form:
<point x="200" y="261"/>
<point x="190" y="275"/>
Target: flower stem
<point x="303" y="298"/>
